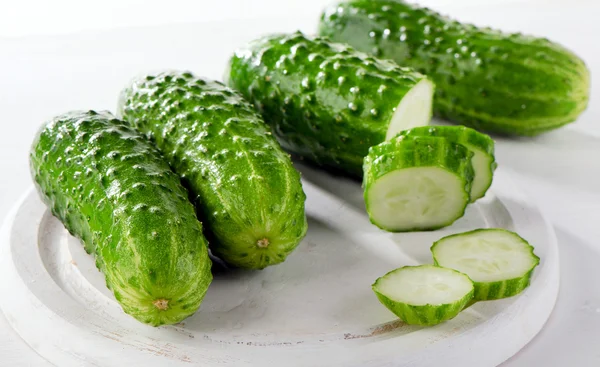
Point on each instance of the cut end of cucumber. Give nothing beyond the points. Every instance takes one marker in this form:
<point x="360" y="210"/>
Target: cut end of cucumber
<point x="424" y="285"/>
<point x="487" y="255"/>
<point x="416" y="198"/>
<point x="414" y="110"/>
<point x="482" y="165"/>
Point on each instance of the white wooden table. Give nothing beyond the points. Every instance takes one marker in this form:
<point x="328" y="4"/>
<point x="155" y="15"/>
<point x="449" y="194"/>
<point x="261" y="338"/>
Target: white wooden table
<point x="43" y="73"/>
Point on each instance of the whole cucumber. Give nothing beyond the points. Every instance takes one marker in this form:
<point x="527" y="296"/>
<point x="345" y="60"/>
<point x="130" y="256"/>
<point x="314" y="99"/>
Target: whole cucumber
<point x="326" y="101"/>
<point x="244" y="186"/>
<point x="116" y="193"/>
<point x="492" y="81"/>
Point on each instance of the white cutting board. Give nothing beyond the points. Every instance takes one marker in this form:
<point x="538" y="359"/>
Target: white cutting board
<point x="315" y="309"/>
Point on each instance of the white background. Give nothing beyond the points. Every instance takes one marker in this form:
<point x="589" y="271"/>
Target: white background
<point x="32" y="17"/>
<point x="66" y="54"/>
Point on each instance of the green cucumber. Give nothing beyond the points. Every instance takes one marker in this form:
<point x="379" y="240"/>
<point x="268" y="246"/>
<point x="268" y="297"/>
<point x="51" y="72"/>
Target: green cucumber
<point x="492" y="81"/>
<point x="243" y="184"/>
<point x="499" y="262"/>
<point x="482" y="146"/>
<point x="325" y="101"/>
<point x="416" y="183"/>
<point x="425" y="294"/>
<point x="115" y="192"/>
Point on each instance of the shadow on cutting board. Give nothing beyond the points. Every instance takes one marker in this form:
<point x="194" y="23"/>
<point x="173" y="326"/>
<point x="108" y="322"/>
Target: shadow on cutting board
<point x="336" y="183"/>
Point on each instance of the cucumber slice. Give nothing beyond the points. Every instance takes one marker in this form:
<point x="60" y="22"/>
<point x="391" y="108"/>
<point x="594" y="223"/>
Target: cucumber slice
<point x="482" y="146"/>
<point x="424" y="294"/>
<point x="499" y="262"/>
<point x="417" y="183"/>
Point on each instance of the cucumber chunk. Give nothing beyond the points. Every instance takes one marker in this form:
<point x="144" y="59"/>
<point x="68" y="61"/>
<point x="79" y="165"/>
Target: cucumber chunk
<point x="417" y="183"/>
<point x="499" y="262"/>
<point x="325" y="101"/>
<point x="424" y="294"/>
<point x="482" y="146"/>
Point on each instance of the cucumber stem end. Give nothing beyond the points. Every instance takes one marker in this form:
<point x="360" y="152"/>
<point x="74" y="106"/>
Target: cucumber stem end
<point x="161" y="304"/>
<point x="263" y="243"/>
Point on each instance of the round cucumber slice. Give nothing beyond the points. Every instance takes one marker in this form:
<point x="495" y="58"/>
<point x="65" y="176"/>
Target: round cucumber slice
<point x="417" y="197"/>
<point x="424" y="294"/>
<point x="499" y="262"/>
<point x="414" y="109"/>
<point x="482" y="146"/>
<point x="416" y="183"/>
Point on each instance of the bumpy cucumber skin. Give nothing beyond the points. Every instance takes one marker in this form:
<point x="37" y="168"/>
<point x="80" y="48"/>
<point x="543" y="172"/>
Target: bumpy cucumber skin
<point x="424" y="315"/>
<point x="457" y="134"/>
<point x="325" y="101"/>
<point x="241" y="181"/>
<point x="417" y="151"/>
<point x="116" y="193"/>
<point x="485" y="291"/>
<point x="492" y="81"/>
<point x="461" y="135"/>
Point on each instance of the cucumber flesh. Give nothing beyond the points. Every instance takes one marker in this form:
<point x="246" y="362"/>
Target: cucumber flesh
<point x="416" y="183"/>
<point x="425" y="294"/>
<point x="419" y="197"/>
<point x="482" y="146"/>
<point x="414" y="109"/>
<point x="499" y="262"/>
<point x="484" y="173"/>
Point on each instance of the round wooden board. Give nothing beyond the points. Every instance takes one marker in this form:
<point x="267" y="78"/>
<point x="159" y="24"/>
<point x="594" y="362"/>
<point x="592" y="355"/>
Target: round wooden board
<point x="315" y="309"/>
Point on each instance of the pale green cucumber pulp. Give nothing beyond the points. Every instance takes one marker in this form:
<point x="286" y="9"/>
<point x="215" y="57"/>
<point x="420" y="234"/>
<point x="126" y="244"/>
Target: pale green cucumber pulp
<point x="414" y="109"/>
<point x="418" y="197"/>
<point x="484" y="174"/>
<point x="499" y="262"/>
<point x="425" y="294"/>
<point x="482" y="146"/>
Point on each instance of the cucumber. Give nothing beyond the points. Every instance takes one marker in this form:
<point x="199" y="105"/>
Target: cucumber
<point x="116" y="193"/>
<point x="499" y="262"/>
<point x="425" y="294"/>
<point x="243" y="184"/>
<point x="327" y="102"/>
<point x="482" y="146"/>
<point x="492" y="81"/>
<point x="414" y="183"/>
